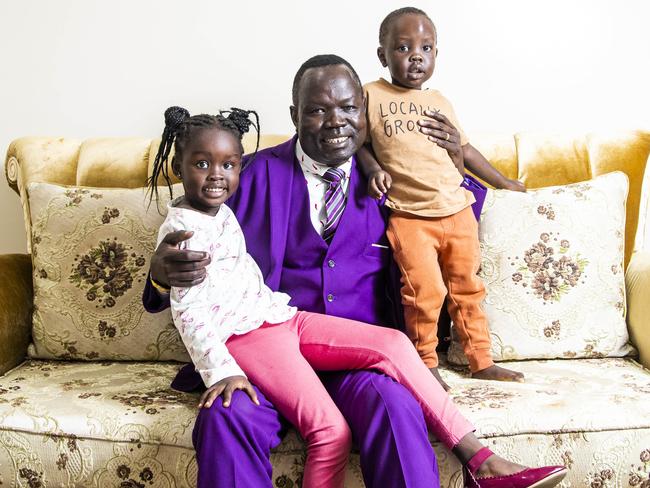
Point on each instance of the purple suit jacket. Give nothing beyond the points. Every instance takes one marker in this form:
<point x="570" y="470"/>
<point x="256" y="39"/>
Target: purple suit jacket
<point x="362" y="284"/>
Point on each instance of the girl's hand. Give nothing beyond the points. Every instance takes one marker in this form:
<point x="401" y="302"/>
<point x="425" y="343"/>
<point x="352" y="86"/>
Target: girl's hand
<point x="440" y="131"/>
<point x="227" y="386"/>
<point x="513" y="185"/>
<point x="379" y="183"/>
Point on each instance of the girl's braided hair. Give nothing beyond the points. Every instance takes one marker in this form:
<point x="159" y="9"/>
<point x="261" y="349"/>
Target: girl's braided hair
<point x="179" y="125"/>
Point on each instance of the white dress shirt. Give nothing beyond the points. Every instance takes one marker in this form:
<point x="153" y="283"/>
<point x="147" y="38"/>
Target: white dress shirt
<point x="316" y="186"/>
<point x="232" y="299"/>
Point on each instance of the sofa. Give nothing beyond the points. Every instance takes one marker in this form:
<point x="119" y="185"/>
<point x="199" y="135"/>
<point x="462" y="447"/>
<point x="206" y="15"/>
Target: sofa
<point x="89" y="419"/>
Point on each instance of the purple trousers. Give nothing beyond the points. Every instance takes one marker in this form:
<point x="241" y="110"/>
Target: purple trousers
<point x="233" y="444"/>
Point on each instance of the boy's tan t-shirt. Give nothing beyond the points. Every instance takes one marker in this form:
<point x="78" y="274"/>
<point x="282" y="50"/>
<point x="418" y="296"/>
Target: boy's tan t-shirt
<point x="425" y="180"/>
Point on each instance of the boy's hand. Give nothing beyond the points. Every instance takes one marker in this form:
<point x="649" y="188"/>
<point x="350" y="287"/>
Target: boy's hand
<point x="513" y="185"/>
<point x="379" y="183"/>
<point x="227" y="387"/>
<point x="443" y="133"/>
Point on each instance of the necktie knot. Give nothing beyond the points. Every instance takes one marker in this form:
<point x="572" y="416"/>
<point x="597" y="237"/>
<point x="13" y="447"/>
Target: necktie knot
<point x="334" y="175"/>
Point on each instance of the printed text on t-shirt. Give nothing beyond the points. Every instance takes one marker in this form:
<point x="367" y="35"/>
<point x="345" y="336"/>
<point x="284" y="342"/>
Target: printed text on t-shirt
<point x="394" y="125"/>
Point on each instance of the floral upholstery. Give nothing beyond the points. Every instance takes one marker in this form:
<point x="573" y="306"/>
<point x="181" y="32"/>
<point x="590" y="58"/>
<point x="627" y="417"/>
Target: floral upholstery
<point x="90" y="250"/>
<point x="552" y="263"/>
<point x="108" y="424"/>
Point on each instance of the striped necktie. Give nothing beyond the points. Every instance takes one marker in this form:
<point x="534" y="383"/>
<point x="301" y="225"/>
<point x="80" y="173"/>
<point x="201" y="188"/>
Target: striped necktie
<point x="334" y="201"/>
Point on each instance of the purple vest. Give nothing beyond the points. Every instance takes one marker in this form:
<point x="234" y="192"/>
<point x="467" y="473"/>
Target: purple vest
<point x="348" y="277"/>
<point x="352" y="277"/>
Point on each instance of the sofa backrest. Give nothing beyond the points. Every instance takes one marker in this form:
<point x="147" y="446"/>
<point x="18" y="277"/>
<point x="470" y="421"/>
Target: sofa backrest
<point x="537" y="159"/>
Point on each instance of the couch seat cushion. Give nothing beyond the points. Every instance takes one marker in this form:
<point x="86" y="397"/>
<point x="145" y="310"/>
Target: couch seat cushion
<point x="102" y="424"/>
<point x="591" y="415"/>
<point x="105" y="400"/>
<point x="581" y="395"/>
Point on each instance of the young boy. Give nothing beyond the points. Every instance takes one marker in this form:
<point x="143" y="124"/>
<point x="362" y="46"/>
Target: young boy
<point x="421" y="152"/>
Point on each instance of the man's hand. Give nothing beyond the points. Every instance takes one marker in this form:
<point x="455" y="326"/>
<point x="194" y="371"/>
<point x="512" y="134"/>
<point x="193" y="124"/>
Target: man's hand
<point x="379" y="183"/>
<point x="227" y="387"/>
<point x="513" y="185"/>
<point x="440" y="131"/>
<point x="171" y="266"/>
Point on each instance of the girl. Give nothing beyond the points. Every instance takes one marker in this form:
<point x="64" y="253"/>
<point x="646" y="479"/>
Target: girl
<point x="235" y="327"/>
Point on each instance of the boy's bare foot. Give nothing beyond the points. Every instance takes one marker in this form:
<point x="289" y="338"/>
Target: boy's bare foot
<point x="497" y="373"/>
<point x="436" y="375"/>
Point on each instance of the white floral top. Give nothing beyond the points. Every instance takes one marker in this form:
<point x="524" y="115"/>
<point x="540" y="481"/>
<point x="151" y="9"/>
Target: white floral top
<point x="232" y="299"/>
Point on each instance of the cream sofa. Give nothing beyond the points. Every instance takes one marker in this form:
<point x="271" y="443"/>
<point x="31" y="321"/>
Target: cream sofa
<point x="111" y="423"/>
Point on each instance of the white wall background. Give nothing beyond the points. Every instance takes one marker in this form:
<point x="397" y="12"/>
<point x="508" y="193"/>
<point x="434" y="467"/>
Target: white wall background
<point x="86" y="68"/>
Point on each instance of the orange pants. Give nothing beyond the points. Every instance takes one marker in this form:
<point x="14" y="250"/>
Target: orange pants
<point x="439" y="257"/>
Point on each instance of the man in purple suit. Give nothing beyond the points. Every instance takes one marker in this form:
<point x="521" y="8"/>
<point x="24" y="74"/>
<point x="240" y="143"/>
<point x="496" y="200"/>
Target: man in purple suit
<point x="335" y="264"/>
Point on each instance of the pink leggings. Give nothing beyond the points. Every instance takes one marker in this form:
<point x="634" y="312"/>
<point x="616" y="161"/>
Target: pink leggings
<point x="280" y="360"/>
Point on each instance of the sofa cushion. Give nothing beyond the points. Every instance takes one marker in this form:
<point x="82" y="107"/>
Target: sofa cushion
<point x="91" y="250"/>
<point x="592" y="415"/>
<point x="552" y="263"/>
<point x="105" y="423"/>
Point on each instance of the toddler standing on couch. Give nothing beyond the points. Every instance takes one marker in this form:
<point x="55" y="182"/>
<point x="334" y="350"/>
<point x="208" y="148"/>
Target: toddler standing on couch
<point x="419" y="165"/>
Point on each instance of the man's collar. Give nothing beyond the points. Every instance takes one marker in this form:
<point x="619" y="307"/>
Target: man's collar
<point x="312" y="166"/>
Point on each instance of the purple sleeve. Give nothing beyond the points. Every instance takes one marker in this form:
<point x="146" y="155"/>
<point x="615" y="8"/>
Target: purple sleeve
<point x="153" y="301"/>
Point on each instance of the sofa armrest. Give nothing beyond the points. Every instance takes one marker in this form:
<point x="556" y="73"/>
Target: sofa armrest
<point x="637" y="283"/>
<point x="16" y="300"/>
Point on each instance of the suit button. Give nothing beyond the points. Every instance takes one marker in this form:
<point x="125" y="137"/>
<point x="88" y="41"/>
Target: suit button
<point x="330" y="297"/>
<point x="331" y="263"/>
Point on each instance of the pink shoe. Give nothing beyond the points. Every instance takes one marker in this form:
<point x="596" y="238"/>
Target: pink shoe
<point x="544" y="477"/>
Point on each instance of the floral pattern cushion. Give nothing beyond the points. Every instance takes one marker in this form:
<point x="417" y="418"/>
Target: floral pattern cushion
<point x="119" y="424"/>
<point x="552" y="263"/>
<point x="91" y="250"/>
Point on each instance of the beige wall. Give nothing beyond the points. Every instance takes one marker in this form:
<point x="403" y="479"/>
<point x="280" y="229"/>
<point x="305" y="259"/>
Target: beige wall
<point x="83" y="68"/>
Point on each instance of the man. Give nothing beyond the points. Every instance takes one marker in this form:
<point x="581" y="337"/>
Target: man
<point x="317" y="236"/>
